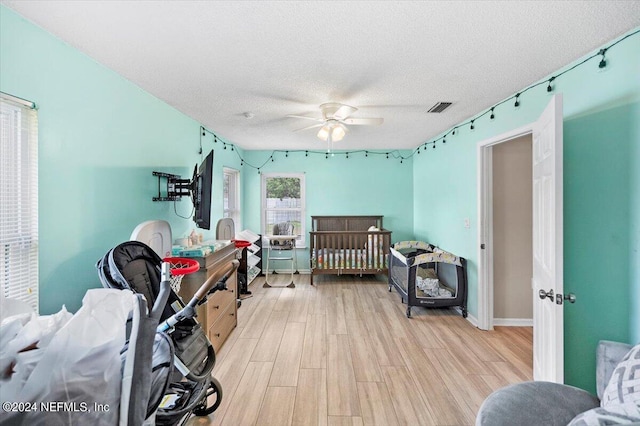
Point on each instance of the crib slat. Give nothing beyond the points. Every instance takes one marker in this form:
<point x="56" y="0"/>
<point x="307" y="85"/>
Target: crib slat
<point x="362" y="245"/>
<point x="322" y="252"/>
<point x="333" y="252"/>
<point x="312" y="253"/>
<point x="325" y="244"/>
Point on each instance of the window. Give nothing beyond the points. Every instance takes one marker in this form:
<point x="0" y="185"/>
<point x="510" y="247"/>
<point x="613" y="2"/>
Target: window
<point x="231" y="197"/>
<point x="283" y="201"/>
<point x="19" y="200"/>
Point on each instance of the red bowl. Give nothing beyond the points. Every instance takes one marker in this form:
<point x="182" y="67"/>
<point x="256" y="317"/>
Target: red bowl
<point x="241" y="243"/>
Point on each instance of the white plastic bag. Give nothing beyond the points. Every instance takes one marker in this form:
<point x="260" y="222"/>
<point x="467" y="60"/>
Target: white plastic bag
<point x="77" y="381"/>
<point x="11" y="307"/>
<point x="23" y="343"/>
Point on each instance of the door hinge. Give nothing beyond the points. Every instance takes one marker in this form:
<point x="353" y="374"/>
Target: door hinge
<point x="482" y="246"/>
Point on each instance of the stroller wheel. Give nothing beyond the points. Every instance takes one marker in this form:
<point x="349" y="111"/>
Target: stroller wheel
<point x="212" y="396"/>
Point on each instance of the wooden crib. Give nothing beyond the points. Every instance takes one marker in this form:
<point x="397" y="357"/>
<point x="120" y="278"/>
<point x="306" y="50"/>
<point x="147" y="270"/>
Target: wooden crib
<point x="345" y="245"/>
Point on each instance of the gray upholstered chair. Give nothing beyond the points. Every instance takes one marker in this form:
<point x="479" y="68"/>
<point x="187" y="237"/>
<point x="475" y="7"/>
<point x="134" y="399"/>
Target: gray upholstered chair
<point x="549" y="404"/>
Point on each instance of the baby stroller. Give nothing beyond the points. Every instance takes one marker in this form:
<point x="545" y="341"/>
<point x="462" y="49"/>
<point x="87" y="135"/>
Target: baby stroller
<point x="191" y="390"/>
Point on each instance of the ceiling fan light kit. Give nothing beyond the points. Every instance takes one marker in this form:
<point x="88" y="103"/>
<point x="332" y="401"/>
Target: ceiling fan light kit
<point x="333" y="129"/>
<point x="323" y="133"/>
<point x="335" y="118"/>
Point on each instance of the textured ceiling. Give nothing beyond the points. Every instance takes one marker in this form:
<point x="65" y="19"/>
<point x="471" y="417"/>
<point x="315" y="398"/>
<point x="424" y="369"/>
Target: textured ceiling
<point x="216" y="60"/>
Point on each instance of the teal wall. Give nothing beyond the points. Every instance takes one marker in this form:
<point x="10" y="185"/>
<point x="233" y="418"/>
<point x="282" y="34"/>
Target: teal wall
<point x="601" y="199"/>
<point x="597" y="167"/>
<point x="359" y="185"/>
<point x="634" y="228"/>
<point x="100" y="137"/>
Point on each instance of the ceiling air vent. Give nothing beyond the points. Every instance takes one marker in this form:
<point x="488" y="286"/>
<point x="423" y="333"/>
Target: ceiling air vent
<point x="440" y="106"/>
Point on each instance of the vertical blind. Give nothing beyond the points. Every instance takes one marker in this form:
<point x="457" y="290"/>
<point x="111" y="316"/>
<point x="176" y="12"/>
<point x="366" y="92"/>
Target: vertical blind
<point x="18" y="200"/>
<point x="231" y="195"/>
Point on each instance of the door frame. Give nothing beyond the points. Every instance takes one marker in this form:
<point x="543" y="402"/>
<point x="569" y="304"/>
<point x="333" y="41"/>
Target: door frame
<point x="485" y="221"/>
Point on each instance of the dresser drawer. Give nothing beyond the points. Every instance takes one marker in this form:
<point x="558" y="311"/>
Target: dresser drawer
<point x="218" y="315"/>
<point x="219" y="302"/>
<point x="220" y="329"/>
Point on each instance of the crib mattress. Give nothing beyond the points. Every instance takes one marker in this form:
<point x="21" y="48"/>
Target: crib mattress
<point x="348" y="259"/>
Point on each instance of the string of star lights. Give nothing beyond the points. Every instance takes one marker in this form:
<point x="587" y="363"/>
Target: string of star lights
<point x="396" y="154"/>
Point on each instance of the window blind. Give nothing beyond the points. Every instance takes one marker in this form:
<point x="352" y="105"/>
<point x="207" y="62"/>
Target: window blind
<point x="19" y="200"/>
<point x="231" y="195"/>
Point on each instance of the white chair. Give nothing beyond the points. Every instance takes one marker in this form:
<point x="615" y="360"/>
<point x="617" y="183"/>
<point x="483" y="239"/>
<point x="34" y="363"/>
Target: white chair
<point x="282" y="240"/>
<point x="225" y="229"/>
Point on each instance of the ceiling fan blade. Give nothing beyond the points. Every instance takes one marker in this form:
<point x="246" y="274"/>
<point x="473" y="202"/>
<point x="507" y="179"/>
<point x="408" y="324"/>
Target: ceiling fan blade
<point x="310" y="127"/>
<point x="363" y="121"/>
<point x="344" y="111"/>
<point x="308" y="118"/>
<point x="336" y="110"/>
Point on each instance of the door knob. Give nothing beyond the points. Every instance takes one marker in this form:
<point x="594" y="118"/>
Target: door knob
<point x="570" y="297"/>
<point x="546" y="294"/>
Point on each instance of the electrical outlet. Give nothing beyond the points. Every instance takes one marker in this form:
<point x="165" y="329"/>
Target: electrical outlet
<point x="467" y="223"/>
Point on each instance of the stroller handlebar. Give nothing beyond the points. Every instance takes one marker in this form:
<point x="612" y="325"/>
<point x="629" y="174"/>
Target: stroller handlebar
<point x="210" y="284"/>
<point x="163" y="293"/>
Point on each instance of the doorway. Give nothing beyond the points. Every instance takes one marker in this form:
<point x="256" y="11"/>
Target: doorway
<point x="486" y="221"/>
<point x="547" y="284"/>
<point x="512" y="232"/>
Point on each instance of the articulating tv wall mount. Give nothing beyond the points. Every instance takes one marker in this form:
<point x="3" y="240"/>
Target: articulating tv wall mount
<point x="177" y="187"/>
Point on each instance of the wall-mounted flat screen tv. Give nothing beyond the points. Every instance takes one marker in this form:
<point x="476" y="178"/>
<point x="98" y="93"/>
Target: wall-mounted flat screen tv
<point x="201" y="192"/>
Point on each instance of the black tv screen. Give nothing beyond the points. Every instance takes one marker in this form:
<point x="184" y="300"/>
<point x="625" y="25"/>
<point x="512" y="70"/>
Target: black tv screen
<point x="202" y="187"/>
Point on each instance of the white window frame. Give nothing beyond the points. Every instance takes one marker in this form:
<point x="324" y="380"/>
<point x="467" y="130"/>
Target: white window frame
<point x="301" y="240"/>
<point x="234" y="210"/>
<point x="19" y="200"/>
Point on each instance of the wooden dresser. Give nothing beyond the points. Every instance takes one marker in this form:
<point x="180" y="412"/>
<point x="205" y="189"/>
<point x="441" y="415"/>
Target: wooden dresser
<point x="218" y="316"/>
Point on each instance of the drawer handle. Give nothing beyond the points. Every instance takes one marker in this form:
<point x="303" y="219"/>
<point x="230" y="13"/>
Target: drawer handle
<point x="217" y="334"/>
<point x="216" y="307"/>
<point x="232" y="314"/>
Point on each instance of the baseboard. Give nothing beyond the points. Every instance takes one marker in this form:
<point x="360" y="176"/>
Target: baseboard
<point x="473" y="320"/>
<point x="513" y="322"/>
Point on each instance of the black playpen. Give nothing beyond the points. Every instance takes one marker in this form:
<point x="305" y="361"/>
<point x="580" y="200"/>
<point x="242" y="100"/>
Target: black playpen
<point x="427" y="276"/>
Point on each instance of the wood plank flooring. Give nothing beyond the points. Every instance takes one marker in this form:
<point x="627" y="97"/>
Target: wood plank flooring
<point x="342" y="352"/>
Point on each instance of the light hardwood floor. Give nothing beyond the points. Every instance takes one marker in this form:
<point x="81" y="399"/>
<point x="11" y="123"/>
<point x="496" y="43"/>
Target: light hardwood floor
<point x="342" y="352"/>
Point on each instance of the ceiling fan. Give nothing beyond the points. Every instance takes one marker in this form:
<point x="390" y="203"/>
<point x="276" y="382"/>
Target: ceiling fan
<point x="334" y="121"/>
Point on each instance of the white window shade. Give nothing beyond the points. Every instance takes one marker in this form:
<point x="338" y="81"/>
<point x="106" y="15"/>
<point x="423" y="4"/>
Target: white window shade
<point x="18" y="200"/>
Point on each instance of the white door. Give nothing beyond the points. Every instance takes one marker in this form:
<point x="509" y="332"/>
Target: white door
<point x="548" y="320"/>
